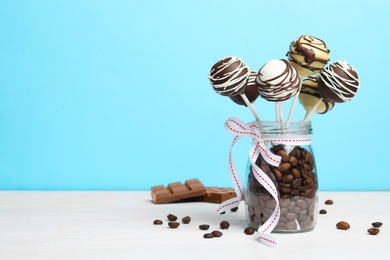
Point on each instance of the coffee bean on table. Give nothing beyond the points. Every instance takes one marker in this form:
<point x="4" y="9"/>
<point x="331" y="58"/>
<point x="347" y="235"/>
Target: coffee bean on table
<point x="204" y="226"/>
<point x="234" y="209"/>
<point x="373" y="231"/>
<point x="157" y="222"/>
<point x="249" y="231"/>
<point x="173" y="224"/>
<point x="343" y="225"/>
<point x="224" y="224"/>
<point x="186" y="219"/>
<point x="208" y="235"/>
<point x="328" y="202"/>
<point x="217" y="233"/>
<point x="322" y="211"/>
<point x="171" y="217"/>
<point x="376" y="224"/>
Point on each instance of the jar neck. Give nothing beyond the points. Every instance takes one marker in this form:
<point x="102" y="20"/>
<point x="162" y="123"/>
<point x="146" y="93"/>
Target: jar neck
<point x="272" y="128"/>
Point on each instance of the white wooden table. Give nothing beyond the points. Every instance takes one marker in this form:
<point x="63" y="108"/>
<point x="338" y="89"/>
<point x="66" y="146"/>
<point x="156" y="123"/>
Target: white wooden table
<point x="119" y="225"/>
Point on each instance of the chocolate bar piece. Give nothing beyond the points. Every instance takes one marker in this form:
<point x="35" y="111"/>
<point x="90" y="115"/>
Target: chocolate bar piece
<point x="178" y="191"/>
<point x="218" y="194"/>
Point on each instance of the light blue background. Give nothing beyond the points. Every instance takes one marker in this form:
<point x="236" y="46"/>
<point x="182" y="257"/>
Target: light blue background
<point x="114" y="95"/>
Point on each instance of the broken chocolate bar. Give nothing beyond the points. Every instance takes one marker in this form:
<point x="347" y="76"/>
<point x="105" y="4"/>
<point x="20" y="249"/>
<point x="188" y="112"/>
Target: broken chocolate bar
<point x="218" y="195"/>
<point x="178" y="191"/>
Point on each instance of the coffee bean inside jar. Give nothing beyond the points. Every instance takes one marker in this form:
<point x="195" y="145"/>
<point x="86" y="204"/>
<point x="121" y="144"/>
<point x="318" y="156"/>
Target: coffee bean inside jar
<point x="296" y="181"/>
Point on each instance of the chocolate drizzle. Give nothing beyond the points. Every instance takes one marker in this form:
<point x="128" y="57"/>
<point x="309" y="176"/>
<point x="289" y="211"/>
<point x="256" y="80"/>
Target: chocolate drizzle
<point x="281" y="86"/>
<point x="309" y="96"/>
<point x="308" y="55"/>
<point x="338" y="82"/>
<point x="229" y="76"/>
<point x="250" y="90"/>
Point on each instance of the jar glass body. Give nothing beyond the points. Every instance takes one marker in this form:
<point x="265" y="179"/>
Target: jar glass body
<point x="295" y="179"/>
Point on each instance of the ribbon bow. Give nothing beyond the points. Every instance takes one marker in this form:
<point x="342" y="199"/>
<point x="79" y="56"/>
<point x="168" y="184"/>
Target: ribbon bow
<point x="240" y="129"/>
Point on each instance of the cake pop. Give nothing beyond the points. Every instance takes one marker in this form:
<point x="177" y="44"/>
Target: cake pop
<point x="277" y="80"/>
<point x="309" y="96"/>
<point x="229" y="76"/>
<point x="308" y="55"/>
<point x="339" y="82"/>
<point x="250" y="90"/>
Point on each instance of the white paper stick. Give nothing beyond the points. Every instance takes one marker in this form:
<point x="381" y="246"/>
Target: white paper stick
<point x="251" y="107"/>
<point x="311" y="111"/>
<point x="294" y="102"/>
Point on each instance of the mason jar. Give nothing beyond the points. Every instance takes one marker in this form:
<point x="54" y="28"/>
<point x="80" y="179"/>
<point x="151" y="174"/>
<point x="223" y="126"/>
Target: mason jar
<point x="295" y="179"/>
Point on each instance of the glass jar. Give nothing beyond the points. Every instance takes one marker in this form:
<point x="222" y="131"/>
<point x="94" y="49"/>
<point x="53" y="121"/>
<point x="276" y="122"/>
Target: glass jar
<point x="295" y="179"/>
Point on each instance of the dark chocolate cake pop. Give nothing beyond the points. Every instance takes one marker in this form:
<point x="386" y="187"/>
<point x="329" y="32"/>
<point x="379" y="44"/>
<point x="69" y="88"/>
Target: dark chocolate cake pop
<point x="229" y="76"/>
<point x="250" y="90"/>
<point x="338" y="82"/>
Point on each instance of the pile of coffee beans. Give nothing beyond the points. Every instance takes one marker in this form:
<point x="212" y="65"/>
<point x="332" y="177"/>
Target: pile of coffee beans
<point x="296" y="180"/>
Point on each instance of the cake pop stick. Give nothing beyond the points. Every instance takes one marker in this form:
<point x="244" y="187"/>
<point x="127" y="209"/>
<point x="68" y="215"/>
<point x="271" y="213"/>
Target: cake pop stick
<point x="290" y="114"/>
<point x="311" y="111"/>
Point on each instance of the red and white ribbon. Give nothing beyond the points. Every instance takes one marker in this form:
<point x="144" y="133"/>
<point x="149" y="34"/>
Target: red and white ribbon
<point x="240" y="129"/>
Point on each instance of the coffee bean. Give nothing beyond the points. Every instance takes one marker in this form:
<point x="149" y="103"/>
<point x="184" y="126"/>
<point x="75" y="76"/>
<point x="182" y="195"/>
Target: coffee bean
<point x="234" y="209"/>
<point x="278" y="174"/>
<point x="224" y="224"/>
<point x="157" y="222"/>
<point x="288" y="177"/>
<point x="284" y="167"/>
<point x="290" y="215"/>
<point x="376" y="224"/>
<point x="373" y="231"/>
<point x="322" y="211"/>
<point x="328" y="202"/>
<point x="295" y="172"/>
<point x="171" y="217"/>
<point x="285" y="157"/>
<point x="173" y="224"/>
<point x="305" y="173"/>
<point x="249" y="231"/>
<point x="186" y="219"/>
<point x="293" y="161"/>
<point x="217" y="233"/>
<point x="296" y="183"/>
<point x="204" y="227"/>
<point x="343" y="225"/>
<point x="208" y="235"/>
<point x="307" y="156"/>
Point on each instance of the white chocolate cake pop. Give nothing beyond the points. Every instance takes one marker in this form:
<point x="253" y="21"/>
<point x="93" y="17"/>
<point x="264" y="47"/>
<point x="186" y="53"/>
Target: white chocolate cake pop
<point x="229" y="76"/>
<point x="308" y="55"/>
<point x="339" y="82"/>
<point x="309" y="96"/>
<point x="277" y="80"/>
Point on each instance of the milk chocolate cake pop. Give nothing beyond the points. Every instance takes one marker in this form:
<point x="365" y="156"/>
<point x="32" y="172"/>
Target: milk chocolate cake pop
<point x="309" y="96"/>
<point x="338" y="82"/>
<point x="277" y="80"/>
<point x="308" y="55"/>
<point x="229" y="76"/>
<point x="250" y="90"/>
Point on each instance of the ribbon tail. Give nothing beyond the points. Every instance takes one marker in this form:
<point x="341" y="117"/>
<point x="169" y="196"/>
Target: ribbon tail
<point x="273" y="220"/>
